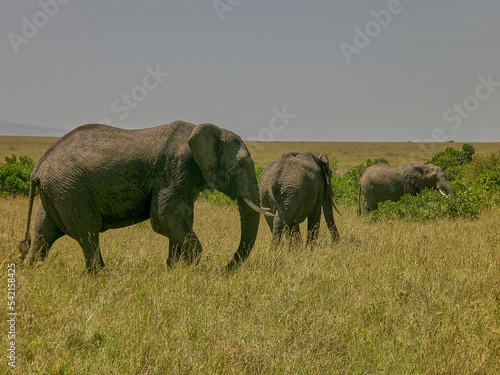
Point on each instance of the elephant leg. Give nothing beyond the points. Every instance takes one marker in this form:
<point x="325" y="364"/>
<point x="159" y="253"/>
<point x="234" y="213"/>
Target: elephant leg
<point x="91" y="250"/>
<point x="312" y="232"/>
<point x="269" y="221"/>
<point x="278" y="227"/>
<point x="313" y="221"/>
<point x="46" y="233"/>
<point x="174" y="220"/>
<point x="370" y="206"/>
<point x="334" y="232"/>
<point x="184" y="246"/>
<point x="330" y="221"/>
<point x="370" y="202"/>
<point x="294" y="236"/>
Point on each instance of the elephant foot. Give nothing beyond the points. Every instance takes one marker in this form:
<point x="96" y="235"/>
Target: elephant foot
<point x="94" y="270"/>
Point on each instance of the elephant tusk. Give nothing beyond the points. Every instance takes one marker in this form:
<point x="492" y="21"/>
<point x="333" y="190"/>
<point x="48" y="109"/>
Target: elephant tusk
<point x="334" y="205"/>
<point x="442" y="192"/>
<point x="253" y="206"/>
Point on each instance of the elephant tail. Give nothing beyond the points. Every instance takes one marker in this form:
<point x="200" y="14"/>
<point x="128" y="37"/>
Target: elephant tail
<point x="24" y="245"/>
<point x="359" y="199"/>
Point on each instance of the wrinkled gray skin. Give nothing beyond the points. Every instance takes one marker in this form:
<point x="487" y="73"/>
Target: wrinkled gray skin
<point x="99" y="177"/>
<point x="382" y="182"/>
<point x="296" y="187"/>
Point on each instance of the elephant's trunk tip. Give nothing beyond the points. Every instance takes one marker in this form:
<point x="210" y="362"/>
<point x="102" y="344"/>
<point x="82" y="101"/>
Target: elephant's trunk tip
<point x="445" y="188"/>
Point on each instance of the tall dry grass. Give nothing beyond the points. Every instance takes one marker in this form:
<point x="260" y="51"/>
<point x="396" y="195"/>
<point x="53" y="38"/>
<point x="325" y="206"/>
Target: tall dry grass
<point x="391" y="297"/>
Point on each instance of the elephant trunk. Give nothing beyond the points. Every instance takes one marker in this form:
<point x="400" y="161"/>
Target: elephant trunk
<point x="444" y="187"/>
<point x="249" y="221"/>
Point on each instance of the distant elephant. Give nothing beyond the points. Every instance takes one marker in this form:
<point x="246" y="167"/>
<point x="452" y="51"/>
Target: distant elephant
<point x="295" y="187"/>
<point x="99" y="177"/>
<point x="382" y="182"/>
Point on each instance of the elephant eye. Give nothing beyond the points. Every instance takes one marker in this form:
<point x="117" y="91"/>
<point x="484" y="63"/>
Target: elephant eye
<point x="241" y="162"/>
<point x="222" y="176"/>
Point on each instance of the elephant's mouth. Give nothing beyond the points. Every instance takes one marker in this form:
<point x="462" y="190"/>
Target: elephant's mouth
<point x="230" y="193"/>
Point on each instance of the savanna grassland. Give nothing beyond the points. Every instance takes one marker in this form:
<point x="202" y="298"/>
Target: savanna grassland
<point x="390" y="297"/>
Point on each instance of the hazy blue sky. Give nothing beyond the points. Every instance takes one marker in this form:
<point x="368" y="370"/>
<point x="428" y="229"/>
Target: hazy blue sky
<point x="284" y="70"/>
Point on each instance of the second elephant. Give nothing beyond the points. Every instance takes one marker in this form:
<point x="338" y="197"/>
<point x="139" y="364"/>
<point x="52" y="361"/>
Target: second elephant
<point x="382" y="182"/>
<point x="296" y="187"/>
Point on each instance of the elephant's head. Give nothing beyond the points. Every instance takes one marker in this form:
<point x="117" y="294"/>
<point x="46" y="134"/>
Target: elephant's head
<point x="227" y="166"/>
<point x="427" y="176"/>
<point x="324" y="164"/>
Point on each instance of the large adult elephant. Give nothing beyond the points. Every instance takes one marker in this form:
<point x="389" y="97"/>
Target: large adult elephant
<point x="99" y="177"/>
<point x="296" y="187"/>
<point x="382" y="182"/>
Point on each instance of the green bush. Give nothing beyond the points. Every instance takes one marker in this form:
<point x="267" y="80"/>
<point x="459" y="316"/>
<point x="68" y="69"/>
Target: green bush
<point x="430" y="205"/>
<point x="480" y="165"/>
<point x="488" y="180"/>
<point x="216" y="197"/>
<point x="452" y="161"/>
<point x="15" y="176"/>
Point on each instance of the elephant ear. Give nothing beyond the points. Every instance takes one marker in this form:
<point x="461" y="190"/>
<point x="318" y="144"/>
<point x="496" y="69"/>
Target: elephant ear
<point x="414" y="176"/>
<point x="325" y="167"/>
<point x="204" y="143"/>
